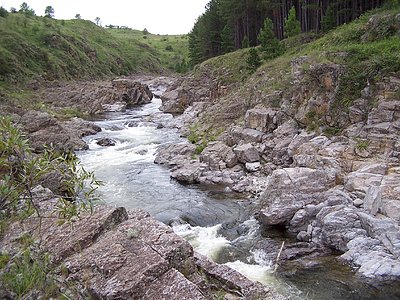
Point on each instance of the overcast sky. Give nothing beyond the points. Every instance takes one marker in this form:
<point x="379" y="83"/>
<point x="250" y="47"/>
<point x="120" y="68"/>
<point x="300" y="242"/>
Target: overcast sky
<point x="158" y="16"/>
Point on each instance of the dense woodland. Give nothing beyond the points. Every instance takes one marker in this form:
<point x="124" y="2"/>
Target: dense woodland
<point x="228" y="25"/>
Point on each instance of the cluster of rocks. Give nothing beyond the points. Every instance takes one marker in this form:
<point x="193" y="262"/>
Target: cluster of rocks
<point x="44" y="130"/>
<point x="97" y="97"/>
<point x="340" y="193"/>
<point x="113" y="253"/>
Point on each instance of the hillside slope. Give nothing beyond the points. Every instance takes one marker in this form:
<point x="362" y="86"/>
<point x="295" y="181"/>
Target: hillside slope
<point x="43" y="48"/>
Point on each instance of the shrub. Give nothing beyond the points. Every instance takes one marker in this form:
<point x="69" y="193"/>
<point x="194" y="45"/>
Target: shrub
<point x="253" y="60"/>
<point x="22" y="171"/>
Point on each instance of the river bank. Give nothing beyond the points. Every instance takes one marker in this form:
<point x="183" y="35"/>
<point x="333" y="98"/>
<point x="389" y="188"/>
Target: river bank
<point x="251" y="180"/>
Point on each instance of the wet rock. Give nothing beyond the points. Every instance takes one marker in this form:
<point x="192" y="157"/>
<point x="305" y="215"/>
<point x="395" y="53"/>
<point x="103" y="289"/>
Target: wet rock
<point x="131" y="92"/>
<point x="290" y="189"/>
<point x="246" y="153"/>
<point x="230" y="280"/>
<point x="174" y="154"/>
<point x="105" y="142"/>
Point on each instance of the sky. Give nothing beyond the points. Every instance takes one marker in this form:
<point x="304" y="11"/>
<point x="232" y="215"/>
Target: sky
<point x="158" y="16"/>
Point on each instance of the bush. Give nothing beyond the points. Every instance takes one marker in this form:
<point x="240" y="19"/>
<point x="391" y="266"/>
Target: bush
<point x="22" y="171"/>
<point x="270" y="45"/>
<point x="3" y="12"/>
<point x="253" y="60"/>
<point x="292" y="25"/>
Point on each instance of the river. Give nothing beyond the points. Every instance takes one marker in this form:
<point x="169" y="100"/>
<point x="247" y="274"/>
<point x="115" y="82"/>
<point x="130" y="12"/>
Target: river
<point x="217" y="222"/>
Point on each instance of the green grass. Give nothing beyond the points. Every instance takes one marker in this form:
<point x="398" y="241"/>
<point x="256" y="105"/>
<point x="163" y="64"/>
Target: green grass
<point x="44" y="48"/>
<point x="171" y="50"/>
<point x="369" y="51"/>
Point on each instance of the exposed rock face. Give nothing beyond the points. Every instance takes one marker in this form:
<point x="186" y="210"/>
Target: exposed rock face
<point x="264" y="120"/>
<point x="119" y="254"/>
<point x="46" y="131"/>
<point x="97" y="97"/>
<point x="334" y="192"/>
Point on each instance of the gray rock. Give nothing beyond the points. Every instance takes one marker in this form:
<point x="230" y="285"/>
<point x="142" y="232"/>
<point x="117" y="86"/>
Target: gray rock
<point x="105" y="142"/>
<point x="291" y="189"/>
<point x="264" y="120"/>
<point x="373" y="200"/>
<point x="253" y="167"/>
<point x="174" y="154"/>
<point x="246" y="153"/>
<point x="216" y="152"/>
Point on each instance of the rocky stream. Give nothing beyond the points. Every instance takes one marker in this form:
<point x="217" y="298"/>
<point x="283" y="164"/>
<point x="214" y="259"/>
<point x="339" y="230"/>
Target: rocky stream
<point x="271" y="210"/>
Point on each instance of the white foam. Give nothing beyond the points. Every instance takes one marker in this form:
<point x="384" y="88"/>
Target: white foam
<point x="204" y="240"/>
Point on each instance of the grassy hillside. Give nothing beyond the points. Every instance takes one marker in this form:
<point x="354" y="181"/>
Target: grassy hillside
<point x="172" y="50"/>
<point x="368" y="49"/>
<point x="36" y="47"/>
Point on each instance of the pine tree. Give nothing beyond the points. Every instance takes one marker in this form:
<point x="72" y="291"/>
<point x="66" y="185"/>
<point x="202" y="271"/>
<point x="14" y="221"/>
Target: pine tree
<point x="328" y="21"/>
<point x="245" y="42"/>
<point x="49" y="12"/>
<point x="292" y="25"/>
<point x="270" y="45"/>
<point x="227" y="40"/>
<point x="253" y="60"/>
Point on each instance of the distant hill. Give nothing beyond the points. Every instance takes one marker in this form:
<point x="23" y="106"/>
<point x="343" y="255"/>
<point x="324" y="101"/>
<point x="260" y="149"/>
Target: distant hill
<point x="34" y="47"/>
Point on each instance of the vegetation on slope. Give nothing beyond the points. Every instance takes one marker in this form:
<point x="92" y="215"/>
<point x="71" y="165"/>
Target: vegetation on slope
<point x="172" y="50"/>
<point x="368" y="49"/>
<point x="232" y="24"/>
<point x="41" y="47"/>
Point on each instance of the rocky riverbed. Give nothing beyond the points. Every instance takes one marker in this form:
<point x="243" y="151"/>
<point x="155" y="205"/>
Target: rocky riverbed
<point x="333" y="194"/>
<point x="338" y="193"/>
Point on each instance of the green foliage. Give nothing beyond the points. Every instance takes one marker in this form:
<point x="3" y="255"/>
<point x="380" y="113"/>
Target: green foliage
<point x="200" y="139"/>
<point x="145" y="31"/>
<point x="169" y="48"/>
<point x="328" y="21"/>
<point x="23" y="171"/>
<point x="362" y="144"/>
<point x="24" y="8"/>
<point x="27" y="272"/>
<point x="253" y="60"/>
<point x="270" y="45"/>
<point x="292" y="25"/>
<point x="227" y="40"/>
<point x="391" y="4"/>
<point x="3" y="12"/>
<point x="245" y="42"/>
<point x="49" y="12"/>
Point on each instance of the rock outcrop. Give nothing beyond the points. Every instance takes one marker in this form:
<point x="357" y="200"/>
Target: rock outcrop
<point x="45" y="130"/>
<point x="335" y="192"/>
<point x="97" y="97"/>
<point x="118" y="254"/>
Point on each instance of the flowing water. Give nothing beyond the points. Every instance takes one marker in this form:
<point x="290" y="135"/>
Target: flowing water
<point x="218" y="223"/>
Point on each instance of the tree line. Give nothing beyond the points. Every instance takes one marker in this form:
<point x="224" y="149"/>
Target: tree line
<point x="228" y="25"/>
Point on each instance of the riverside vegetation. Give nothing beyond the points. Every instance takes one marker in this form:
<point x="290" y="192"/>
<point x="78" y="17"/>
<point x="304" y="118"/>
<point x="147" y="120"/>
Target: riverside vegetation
<point x="310" y="132"/>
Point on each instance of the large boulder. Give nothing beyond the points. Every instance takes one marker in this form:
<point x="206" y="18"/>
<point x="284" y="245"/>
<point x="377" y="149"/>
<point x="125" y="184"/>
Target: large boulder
<point x="290" y="189"/>
<point x="246" y="153"/>
<point x="264" y="120"/>
<point x="216" y="153"/>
